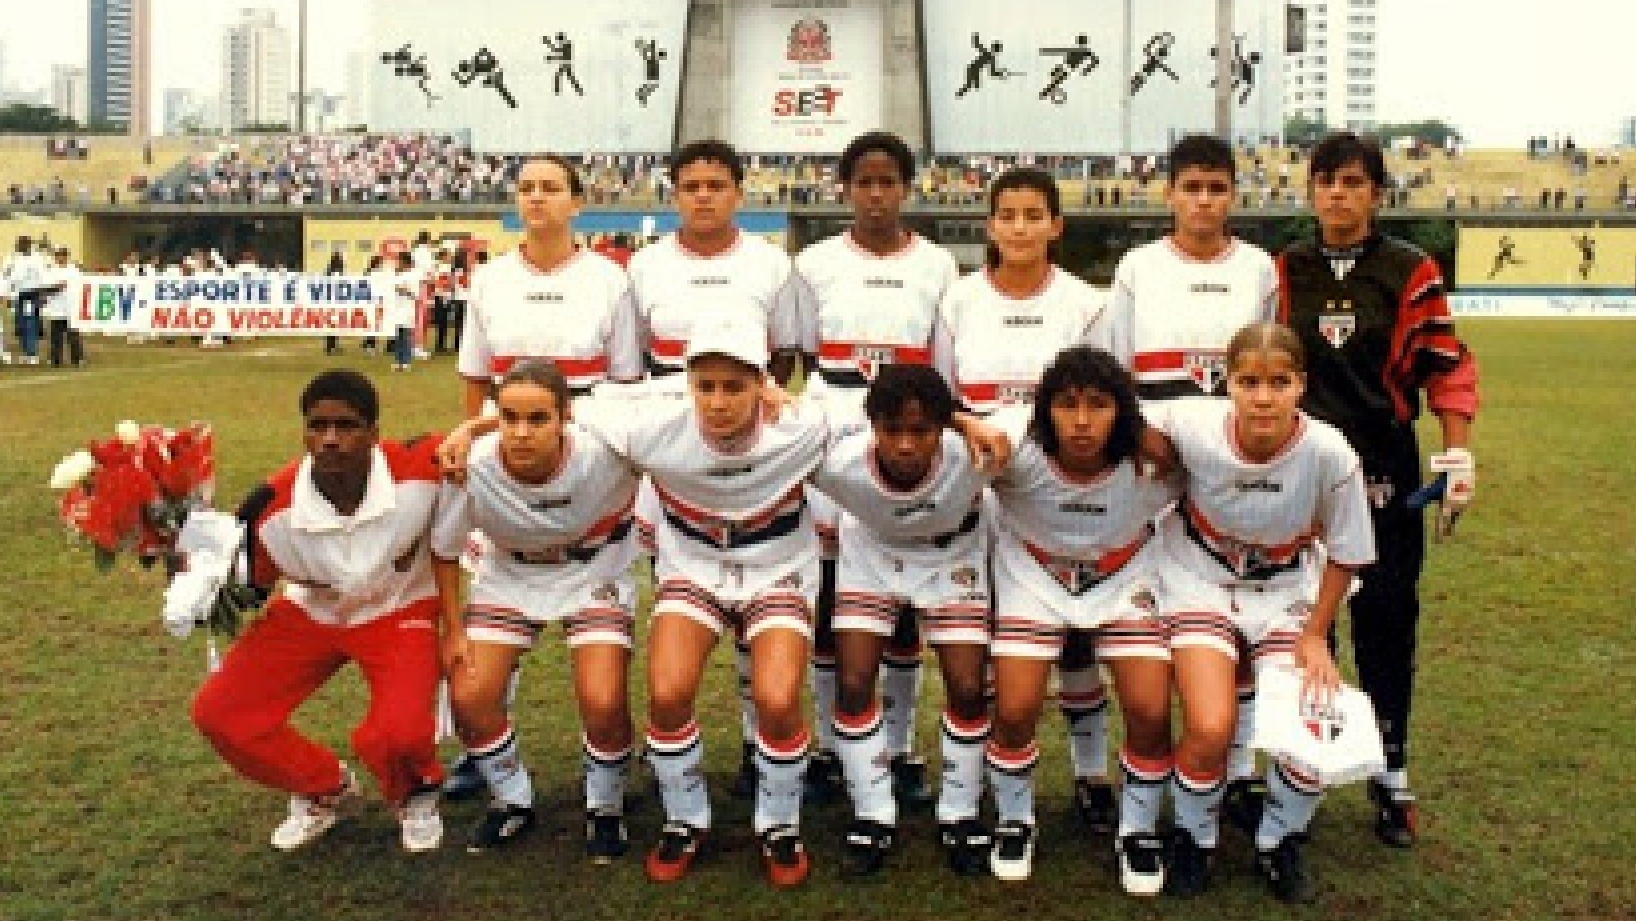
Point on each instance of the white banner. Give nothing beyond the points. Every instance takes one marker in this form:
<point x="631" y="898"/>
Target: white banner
<point x="530" y="75"/>
<point x="250" y="304"/>
<point x="1095" y="76"/>
<point x="1542" y="305"/>
<point x="807" y="74"/>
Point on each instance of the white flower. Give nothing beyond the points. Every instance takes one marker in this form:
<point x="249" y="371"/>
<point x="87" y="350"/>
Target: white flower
<point x="72" y="470"/>
<point x="128" y="432"/>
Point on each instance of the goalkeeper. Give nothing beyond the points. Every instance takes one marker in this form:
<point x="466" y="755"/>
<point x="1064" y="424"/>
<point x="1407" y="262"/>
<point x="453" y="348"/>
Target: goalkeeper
<point x="1372" y="315"/>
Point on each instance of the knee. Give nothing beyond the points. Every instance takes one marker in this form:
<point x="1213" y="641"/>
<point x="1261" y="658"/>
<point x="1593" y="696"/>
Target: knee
<point x="222" y="717"/>
<point x="604" y="705"/>
<point x="963" y="694"/>
<point x="669" y="708"/>
<point x="1211" y="732"/>
<point x="778" y="705"/>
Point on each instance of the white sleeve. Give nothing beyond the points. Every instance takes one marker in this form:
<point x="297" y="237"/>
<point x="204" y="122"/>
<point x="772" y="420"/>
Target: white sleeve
<point x="1343" y="509"/>
<point x="1267" y="291"/>
<point x="943" y="344"/>
<point x="625" y="339"/>
<point x="806" y="309"/>
<point x="784" y="327"/>
<point x="1121" y="316"/>
<point x="451" y="522"/>
<point x="1097" y="322"/>
<point x="476" y="356"/>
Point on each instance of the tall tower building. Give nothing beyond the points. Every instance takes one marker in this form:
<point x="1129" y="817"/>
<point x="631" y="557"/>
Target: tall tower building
<point x="256" y="72"/>
<point x="118" y="63"/>
<point x="70" y="92"/>
<point x="1334" y="80"/>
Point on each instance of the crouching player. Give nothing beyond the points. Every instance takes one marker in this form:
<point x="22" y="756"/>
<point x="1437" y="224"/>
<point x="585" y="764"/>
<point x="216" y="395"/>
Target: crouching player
<point x="1072" y="553"/>
<point x="345" y="528"/>
<point x="554" y="506"/>
<point x="913" y="541"/>
<point x="1265" y="482"/>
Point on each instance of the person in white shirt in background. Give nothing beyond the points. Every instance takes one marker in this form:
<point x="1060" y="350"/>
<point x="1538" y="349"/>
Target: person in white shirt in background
<point x="423" y="263"/>
<point x="61" y="286"/>
<point x="401" y="316"/>
<point x="22" y="273"/>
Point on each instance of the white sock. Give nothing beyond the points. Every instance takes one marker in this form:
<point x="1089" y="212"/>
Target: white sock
<point x="823" y="701"/>
<point x="1197" y="803"/>
<point x="900" y="689"/>
<point x="1292" y="800"/>
<point x="604" y="777"/>
<point x="962" y="788"/>
<point x="1083" y="699"/>
<point x="1241" y="757"/>
<point x="1011" y="776"/>
<point x="503" y="770"/>
<point x="860" y="742"/>
<point x="746" y="702"/>
<point x="1142" y="795"/>
<point x="782" y="765"/>
<point x="678" y="759"/>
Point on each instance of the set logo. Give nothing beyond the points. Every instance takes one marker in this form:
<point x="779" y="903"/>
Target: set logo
<point x="817" y="100"/>
<point x="809" y="42"/>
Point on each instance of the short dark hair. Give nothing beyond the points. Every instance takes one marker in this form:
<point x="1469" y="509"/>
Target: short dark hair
<point x="1084" y="367"/>
<point x="896" y="386"/>
<point x="711" y="150"/>
<point x="1025" y="177"/>
<point x="1343" y="147"/>
<point x="347" y="386"/>
<point x="883" y="141"/>
<point x="540" y="372"/>
<point x="576" y="185"/>
<point x="1202" y="151"/>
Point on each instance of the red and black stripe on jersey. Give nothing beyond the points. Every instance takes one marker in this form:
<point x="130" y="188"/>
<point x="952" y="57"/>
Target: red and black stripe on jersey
<point x="1399" y="332"/>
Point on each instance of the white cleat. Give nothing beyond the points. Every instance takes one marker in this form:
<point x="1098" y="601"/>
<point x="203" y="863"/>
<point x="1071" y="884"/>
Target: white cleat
<point x="1012" y="858"/>
<point x="1141" y="864"/>
<point x="420" y="822"/>
<point x="311" y="816"/>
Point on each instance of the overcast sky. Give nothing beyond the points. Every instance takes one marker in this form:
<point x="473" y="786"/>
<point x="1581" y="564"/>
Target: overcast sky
<point x="1500" y="76"/>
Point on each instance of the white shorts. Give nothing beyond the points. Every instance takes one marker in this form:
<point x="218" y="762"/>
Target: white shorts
<point x="1034" y="612"/>
<point x="1264" y="619"/>
<point x="785" y="604"/>
<point x="948" y="588"/>
<point x="593" y="607"/>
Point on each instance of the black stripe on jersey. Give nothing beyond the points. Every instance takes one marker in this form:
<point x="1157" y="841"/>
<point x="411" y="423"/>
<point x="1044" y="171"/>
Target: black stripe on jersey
<point x="1171" y="390"/>
<point x="781" y="526"/>
<point x="1255" y="568"/>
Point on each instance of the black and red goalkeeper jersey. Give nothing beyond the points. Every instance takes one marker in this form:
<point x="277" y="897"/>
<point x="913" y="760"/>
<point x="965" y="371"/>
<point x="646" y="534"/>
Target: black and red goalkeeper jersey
<point x="1376" y="327"/>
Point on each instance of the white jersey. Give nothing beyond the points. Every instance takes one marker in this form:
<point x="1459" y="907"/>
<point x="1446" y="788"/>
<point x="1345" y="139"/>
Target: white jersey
<point x="1172" y="316"/>
<point x="1245" y="522"/>
<point x="59" y="304"/>
<point x="1063" y="534"/>
<point x="674" y="288"/>
<point x="860" y="311"/>
<point x="581" y="316"/>
<point x="992" y="347"/>
<point x="734" y="522"/>
<point x="944" y="509"/>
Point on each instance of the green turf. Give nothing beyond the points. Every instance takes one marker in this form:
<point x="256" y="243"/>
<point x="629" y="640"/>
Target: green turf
<point x="111" y="807"/>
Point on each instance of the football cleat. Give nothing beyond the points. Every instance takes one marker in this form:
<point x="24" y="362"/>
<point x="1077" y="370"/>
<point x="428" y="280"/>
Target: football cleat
<point x="678" y="847"/>
<point x="606" y="838"/>
<point x="502" y="824"/>
<point x="311" y="816"/>
<point x="1189" y="872"/>
<point x="1141" y="864"/>
<point x="865" y="848"/>
<point x="419" y="822"/>
<point x="1285" y="871"/>
<point x="966" y="844"/>
<point x="1097" y="806"/>
<point x="783" y="856"/>
<point x="1012" y="858"/>
<point x="1396" y="815"/>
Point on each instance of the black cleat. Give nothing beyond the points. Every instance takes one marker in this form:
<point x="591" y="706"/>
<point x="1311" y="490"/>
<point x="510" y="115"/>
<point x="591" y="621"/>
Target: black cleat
<point x="501" y="825"/>
<point x="825" y="781"/>
<point x="1188" y="875"/>
<point x="967" y="843"/>
<point x="744" y="785"/>
<point x="1243" y="803"/>
<point x="1012" y="858"/>
<point x="606" y="838"/>
<point x="1141" y="864"/>
<point x="465" y="780"/>
<point x="909" y="784"/>
<point x="865" y="849"/>
<point x="1285" y="871"/>
<point x="1396" y="816"/>
<point x="1097" y="806"/>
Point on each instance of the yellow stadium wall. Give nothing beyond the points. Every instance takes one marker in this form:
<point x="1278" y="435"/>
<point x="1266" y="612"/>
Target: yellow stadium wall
<point x="1547" y="259"/>
<point x="66" y="231"/>
<point x="360" y="238"/>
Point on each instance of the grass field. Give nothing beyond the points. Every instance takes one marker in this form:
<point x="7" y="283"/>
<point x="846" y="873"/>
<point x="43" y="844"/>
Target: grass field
<point x="111" y="807"/>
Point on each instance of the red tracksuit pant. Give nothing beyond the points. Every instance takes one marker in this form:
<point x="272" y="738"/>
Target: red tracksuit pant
<point x="284" y="657"/>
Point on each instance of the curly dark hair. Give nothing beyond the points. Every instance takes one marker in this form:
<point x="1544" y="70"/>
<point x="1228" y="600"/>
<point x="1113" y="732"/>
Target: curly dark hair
<point x="1084" y="367"/>
<point x="898" y="385"/>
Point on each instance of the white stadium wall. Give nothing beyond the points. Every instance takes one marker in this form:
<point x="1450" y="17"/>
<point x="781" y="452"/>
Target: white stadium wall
<point x="499" y="78"/>
<point x="808" y="74"/>
<point x="1094" y="76"/>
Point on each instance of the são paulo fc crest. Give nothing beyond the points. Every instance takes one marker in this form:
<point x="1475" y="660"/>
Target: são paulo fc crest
<point x="809" y="42"/>
<point x="964" y="576"/>
<point x="1325" y="723"/>
<point x="1207" y="369"/>
<point x="1336" y="328"/>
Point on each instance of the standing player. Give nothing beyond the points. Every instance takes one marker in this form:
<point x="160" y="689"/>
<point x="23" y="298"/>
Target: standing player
<point x="1072" y="555"/>
<point x="554" y="507"/>
<point x="549" y="300"/>
<point x="997" y="330"/>
<point x="868" y="298"/>
<point x="913" y="543"/>
<point x="1265" y="484"/>
<point x="1372" y="315"/>
<point x="1176" y="303"/>
<point x="345" y="529"/>
<point x="705" y="270"/>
